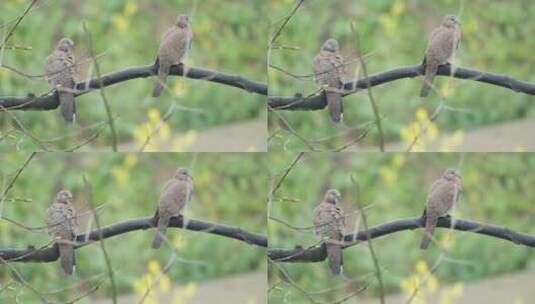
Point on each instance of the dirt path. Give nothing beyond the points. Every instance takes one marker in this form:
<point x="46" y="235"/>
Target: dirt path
<point x="507" y="137"/>
<point x="247" y="288"/>
<point x="246" y="136"/>
<point x="516" y="288"/>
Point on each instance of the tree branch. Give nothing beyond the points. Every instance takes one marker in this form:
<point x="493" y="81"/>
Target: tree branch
<point x="317" y="102"/>
<point x="51" y="253"/>
<point x="50" y="101"/>
<point x="318" y="253"/>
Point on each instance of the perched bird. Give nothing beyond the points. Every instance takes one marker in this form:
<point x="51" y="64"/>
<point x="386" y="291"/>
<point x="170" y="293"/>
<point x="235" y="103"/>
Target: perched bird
<point x="328" y="71"/>
<point x="174" y="197"/>
<point x="329" y="223"/>
<point x="442" y="45"/>
<point x="61" y="225"/>
<point x="60" y="72"/>
<point x="444" y="193"/>
<point x="174" y="45"/>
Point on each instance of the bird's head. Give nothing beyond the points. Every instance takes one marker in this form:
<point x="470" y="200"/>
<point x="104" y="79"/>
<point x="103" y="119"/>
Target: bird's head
<point x="332" y="196"/>
<point x="182" y="174"/>
<point x="451" y="175"/>
<point x="65" y="44"/>
<point x="64" y="197"/>
<point x="331" y="45"/>
<point x="450" y="21"/>
<point x="182" y="21"/>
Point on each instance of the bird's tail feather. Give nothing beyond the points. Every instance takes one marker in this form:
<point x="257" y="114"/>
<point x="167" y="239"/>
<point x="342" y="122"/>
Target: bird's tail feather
<point x="163" y="72"/>
<point x="160" y="232"/>
<point x="334" y="104"/>
<point x="430" y="71"/>
<point x="430" y="224"/>
<point x="67" y="259"/>
<point x="67" y="106"/>
<point x="334" y="255"/>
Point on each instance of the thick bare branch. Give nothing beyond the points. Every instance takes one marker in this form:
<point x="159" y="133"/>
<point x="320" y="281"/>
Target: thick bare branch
<point x="318" y="253"/>
<point x="51" y="253"/>
<point x="317" y="102"/>
<point x="50" y="101"/>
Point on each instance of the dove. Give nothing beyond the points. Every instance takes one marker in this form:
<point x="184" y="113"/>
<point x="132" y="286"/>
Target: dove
<point x="173" y="198"/>
<point x="173" y="47"/>
<point x="60" y="72"/>
<point x="329" y="223"/>
<point x="443" y="195"/>
<point x="328" y="70"/>
<point x="61" y="225"/>
<point x="442" y="45"/>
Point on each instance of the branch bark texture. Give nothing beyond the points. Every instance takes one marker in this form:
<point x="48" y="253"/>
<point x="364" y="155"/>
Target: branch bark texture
<point x="299" y="102"/>
<point x="51" y="253"/>
<point x="318" y="253"/>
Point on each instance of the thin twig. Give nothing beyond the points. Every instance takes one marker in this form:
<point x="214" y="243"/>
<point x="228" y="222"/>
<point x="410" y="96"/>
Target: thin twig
<point x="375" y="107"/>
<point x="286" y="172"/>
<point x="364" y="218"/>
<point x="89" y="193"/>
<point x="17" y="22"/>
<point x="14" y="179"/>
<point x="160" y="124"/>
<point x="101" y="87"/>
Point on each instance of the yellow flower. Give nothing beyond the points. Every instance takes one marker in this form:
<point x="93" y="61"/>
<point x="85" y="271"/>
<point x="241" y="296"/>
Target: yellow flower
<point x="388" y="23"/>
<point x="422" y="115"/>
<point x="398" y="8"/>
<point x="120" y="22"/>
<point x="130" y="8"/>
<point x="130" y="160"/>
<point x="410" y="284"/>
<point x="121" y="175"/>
<point x="154" y="115"/>
<point x="420" y="132"/>
<point x="388" y="175"/>
<point x="154" y="267"/>
<point x="421" y="267"/>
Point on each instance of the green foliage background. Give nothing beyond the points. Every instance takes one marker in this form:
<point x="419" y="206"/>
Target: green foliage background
<point x="127" y="32"/>
<point x="394" y="33"/>
<point x="498" y="189"/>
<point x="127" y="186"/>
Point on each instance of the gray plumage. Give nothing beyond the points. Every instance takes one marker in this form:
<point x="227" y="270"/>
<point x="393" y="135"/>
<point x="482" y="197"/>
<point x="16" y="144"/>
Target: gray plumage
<point x="174" y="197"/>
<point x="329" y="223"/>
<point x="174" y="46"/>
<point x="442" y="44"/>
<point x="60" y="72"/>
<point x="61" y="225"/>
<point x="444" y="193"/>
<point x="328" y="71"/>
